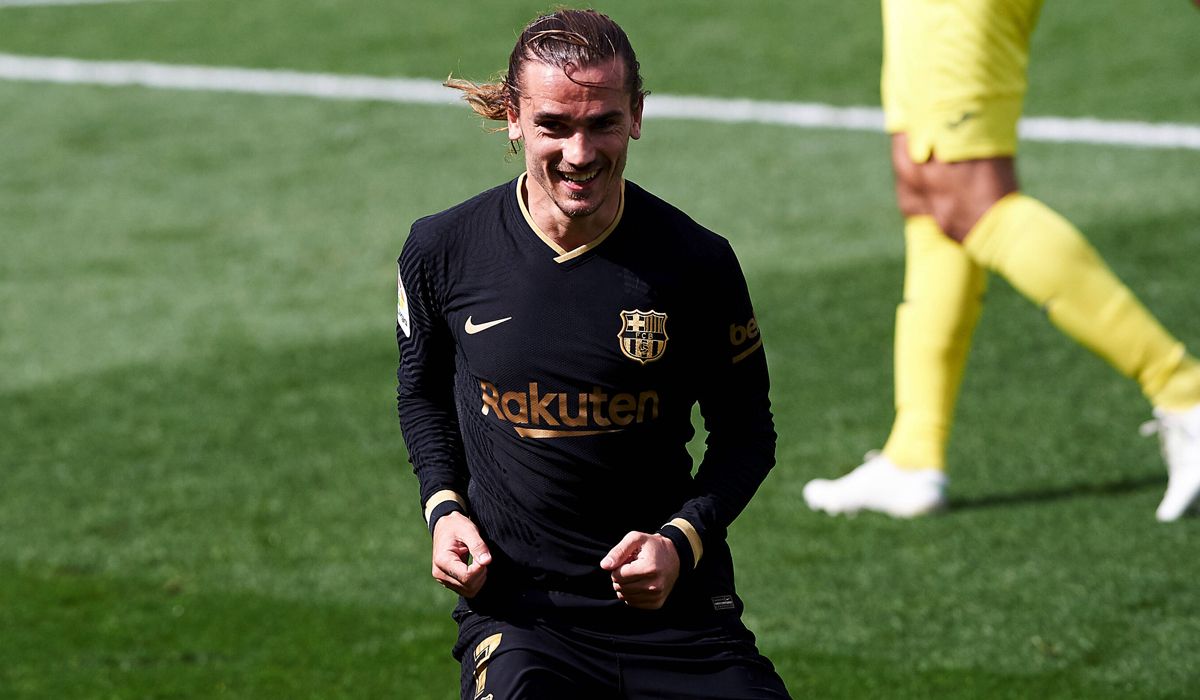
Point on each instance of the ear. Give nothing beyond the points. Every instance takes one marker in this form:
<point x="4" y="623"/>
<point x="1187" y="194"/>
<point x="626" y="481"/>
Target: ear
<point x="514" y="124"/>
<point x="635" y="125"/>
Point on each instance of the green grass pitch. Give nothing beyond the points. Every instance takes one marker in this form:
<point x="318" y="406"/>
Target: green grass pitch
<point x="203" y="491"/>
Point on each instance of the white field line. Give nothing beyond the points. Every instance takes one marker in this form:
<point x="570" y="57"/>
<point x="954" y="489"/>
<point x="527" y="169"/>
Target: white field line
<point x="810" y="115"/>
<point x="261" y="82"/>
<point x="421" y="91"/>
<point x="42" y="3"/>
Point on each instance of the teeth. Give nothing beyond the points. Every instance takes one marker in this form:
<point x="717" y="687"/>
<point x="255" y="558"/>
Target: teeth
<point x="580" y="177"/>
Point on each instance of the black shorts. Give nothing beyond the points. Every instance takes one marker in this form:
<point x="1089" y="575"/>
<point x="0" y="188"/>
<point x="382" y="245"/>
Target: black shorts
<point x="536" y="660"/>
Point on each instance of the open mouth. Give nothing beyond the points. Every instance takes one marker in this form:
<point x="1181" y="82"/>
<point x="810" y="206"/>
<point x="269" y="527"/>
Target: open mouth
<point x="580" y="178"/>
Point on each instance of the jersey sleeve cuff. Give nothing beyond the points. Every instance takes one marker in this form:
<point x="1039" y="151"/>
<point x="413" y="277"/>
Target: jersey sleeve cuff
<point x="442" y="503"/>
<point x="687" y="543"/>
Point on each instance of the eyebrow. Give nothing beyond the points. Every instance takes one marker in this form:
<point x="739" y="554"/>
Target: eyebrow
<point x="559" y="117"/>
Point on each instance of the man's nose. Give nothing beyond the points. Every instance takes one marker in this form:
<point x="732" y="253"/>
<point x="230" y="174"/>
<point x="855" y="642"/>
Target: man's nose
<point x="579" y="150"/>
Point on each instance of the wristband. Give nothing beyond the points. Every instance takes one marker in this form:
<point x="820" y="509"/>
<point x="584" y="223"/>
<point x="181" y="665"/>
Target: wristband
<point x="442" y="503"/>
<point x="444" y="508"/>
<point x="687" y="543"/>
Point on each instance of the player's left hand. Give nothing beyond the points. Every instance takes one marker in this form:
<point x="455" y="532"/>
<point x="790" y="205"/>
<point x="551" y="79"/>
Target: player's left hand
<point x="644" y="569"/>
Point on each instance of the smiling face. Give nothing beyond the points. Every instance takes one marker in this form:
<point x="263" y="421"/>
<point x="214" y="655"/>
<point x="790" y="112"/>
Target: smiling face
<point x="576" y="135"/>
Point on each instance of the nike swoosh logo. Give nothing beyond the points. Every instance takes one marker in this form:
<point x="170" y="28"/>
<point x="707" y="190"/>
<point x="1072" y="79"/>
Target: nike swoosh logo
<point x="473" y="328"/>
<point x="961" y="120"/>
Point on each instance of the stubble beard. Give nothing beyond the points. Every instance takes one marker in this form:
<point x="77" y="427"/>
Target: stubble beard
<point x="575" y="212"/>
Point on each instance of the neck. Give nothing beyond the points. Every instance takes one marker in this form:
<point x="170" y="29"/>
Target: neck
<point x="567" y="232"/>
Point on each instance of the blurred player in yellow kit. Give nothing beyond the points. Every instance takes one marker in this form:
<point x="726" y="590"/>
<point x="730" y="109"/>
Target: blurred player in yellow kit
<point x="954" y="78"/>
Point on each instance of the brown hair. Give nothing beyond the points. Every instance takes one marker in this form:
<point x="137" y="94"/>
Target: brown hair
<point x="565" y="38"/>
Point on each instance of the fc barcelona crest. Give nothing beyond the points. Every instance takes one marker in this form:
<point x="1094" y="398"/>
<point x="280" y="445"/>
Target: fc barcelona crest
<point x="644" y="335"/>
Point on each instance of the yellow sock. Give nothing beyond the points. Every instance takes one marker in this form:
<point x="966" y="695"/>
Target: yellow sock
<point x="943" y="298"/>
<point x="1182" y="390"/>
<point x="1046" y="259"/>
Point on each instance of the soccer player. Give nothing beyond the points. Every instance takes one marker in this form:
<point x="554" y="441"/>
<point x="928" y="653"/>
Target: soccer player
<point x="554" y="334"/>
<point x="954" y="78"/>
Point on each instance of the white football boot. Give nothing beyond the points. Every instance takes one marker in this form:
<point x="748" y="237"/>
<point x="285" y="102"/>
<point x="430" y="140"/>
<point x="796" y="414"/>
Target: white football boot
<point x="1179" y="435"/>
<point x="879" y="485"/>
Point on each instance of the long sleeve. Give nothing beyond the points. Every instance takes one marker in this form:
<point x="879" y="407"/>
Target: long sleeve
<point x="425" y="390"/>
<point x="740" y="448"/>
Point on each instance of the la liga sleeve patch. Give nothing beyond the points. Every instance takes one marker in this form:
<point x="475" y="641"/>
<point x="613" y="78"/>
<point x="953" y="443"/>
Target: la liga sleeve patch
<point x="402" y="316"/>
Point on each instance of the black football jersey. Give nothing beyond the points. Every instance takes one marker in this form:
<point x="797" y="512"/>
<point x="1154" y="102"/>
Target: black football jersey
<point x="554" y="390"/>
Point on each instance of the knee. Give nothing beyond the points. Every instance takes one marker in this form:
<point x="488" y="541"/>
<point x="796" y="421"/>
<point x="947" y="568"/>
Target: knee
<point x="959" y="194"/>
<point x="949" y="210"/>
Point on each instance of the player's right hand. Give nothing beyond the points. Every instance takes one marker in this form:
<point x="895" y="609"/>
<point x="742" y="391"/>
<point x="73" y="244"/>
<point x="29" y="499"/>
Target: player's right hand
<point x="644" y="568"/>
<point x="460" y="556"/>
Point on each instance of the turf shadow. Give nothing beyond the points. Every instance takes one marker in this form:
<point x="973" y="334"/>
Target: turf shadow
<point x="1118" y="487"/>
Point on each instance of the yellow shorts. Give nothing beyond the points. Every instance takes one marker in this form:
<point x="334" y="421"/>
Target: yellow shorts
<point x="954" y="74"/>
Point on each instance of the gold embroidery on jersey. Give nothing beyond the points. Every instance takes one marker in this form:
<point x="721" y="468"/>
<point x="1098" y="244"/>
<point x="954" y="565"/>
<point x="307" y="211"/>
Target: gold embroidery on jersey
<point x="595" y="412"/>
<point x="564" y="254"/>
<point x="740" y="335"/>
<point x="544" y="434"/>
<point x="483" y="653"/>
<point x="747" y="352"/>
<point x="643" y="336"/>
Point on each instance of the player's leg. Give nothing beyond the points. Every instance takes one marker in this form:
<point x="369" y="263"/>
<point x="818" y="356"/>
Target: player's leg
<point x="520" y="674"/>
<point x="942" y="302"/>
<point x="965" y="170"/>
<point x="962" y="153"/>
<point x="505" y="661"/>
<point x="713" y="664"/>
<point x="741" y="680"/>
<point x="1050" y="262"/>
